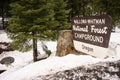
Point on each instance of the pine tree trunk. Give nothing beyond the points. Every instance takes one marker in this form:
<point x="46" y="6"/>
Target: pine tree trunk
<point x="83" y="7"/>
<point x="34" y="49"/>
<point x="2" y="9"/>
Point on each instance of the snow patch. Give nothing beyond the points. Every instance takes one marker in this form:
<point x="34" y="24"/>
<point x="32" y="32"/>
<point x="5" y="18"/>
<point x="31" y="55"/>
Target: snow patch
<point x="20" y="70"/>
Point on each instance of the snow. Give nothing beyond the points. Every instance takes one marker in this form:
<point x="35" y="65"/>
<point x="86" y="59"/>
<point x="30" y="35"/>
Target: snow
<point x="117" y="29"/>
<point x="115" y="37"/>
<point x="4" y="37"/>
<point x="21" y="59"/>
<point x="114" y="45"/>
<point x="24" y="69"/>
<point x="50" y="65"/>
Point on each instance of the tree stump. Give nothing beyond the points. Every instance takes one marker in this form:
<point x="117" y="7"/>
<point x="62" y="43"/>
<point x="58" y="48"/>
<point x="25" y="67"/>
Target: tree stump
<point x="64" y="43"/>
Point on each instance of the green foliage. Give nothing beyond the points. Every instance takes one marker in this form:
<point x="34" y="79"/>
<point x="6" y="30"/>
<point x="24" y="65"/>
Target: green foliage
<point x="111" y="7"/>
<point x="4" y="7"/>
<point x="61" y="14"/>
<point x="36" y="19"/>
<point x="92" y="7"/>
<point x="45" y="48"/>
<point x="80" y="7"/>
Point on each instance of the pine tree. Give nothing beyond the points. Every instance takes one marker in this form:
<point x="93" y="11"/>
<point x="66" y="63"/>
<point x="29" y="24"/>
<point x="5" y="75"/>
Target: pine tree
<point x="4" y="8"/>
<point x="80" y="7"/>
<point x="110" y="7"/>
<point x="61" y="15"/>
<point x="33" y="20"/>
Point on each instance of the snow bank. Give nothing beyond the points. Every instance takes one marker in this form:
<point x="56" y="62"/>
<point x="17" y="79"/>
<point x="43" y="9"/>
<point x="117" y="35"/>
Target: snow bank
<point x="98" y="71"/>
<point x="52" y="64"/>
<point x="49" y="66"/>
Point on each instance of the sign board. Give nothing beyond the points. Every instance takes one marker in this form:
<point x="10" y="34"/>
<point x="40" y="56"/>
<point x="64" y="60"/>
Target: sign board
<point x="91" y="34"/>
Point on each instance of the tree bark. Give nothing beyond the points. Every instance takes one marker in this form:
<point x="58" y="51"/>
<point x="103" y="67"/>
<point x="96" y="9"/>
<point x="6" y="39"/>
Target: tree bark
<point x="2" y="14"/>
<point x="83" y="7"/>
<point x="34" y="48"/>
<point x="65" y="43"/>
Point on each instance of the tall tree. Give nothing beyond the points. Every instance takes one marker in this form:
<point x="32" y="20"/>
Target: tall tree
<point x="110" y="7"/>
<point x="33" y="20"/>
<point x="4" y="8"/>
<point x="61" y="15"/>
<point x="80" y="7"/>
<point x="92" y="7"/>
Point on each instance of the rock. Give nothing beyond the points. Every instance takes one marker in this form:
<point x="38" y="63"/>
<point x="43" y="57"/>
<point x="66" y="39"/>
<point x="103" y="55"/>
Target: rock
<point x="98" y="71"/>
<point x="65" y="43"/>
<point x="7" y="60"/>
<point x="1" y="71"/>
<point x="5" y="47"/>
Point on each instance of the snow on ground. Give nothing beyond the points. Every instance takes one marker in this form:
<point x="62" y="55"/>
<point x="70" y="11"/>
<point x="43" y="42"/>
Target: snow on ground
<point x="50" y="65"/>
<point x="117" y="29"/>
<point x="4" y="37"/>
<point x="20" y="70"/>
<point x="115" y="37"/>
<point x="21" y="59"/>
<point x="114" y="45"/>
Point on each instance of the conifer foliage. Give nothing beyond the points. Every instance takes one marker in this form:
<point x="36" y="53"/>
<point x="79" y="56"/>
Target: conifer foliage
<point x="34" y="20"/>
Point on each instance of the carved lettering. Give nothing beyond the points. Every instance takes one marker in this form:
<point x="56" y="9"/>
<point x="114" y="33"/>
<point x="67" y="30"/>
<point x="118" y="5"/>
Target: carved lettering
<point x="93" y="29"/>
<point x="78" y="28"/>
<point x="87" y="48"/>
<point x="102" y="30"/>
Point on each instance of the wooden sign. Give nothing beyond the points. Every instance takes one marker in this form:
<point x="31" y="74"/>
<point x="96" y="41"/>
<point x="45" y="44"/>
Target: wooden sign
<point x="91" y="34"/>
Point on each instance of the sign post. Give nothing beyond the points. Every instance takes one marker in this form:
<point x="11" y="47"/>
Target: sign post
<point x="91" y="34"/>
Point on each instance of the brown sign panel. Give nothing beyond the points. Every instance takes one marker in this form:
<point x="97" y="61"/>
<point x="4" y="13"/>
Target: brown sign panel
<point x="93" y="30"/>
